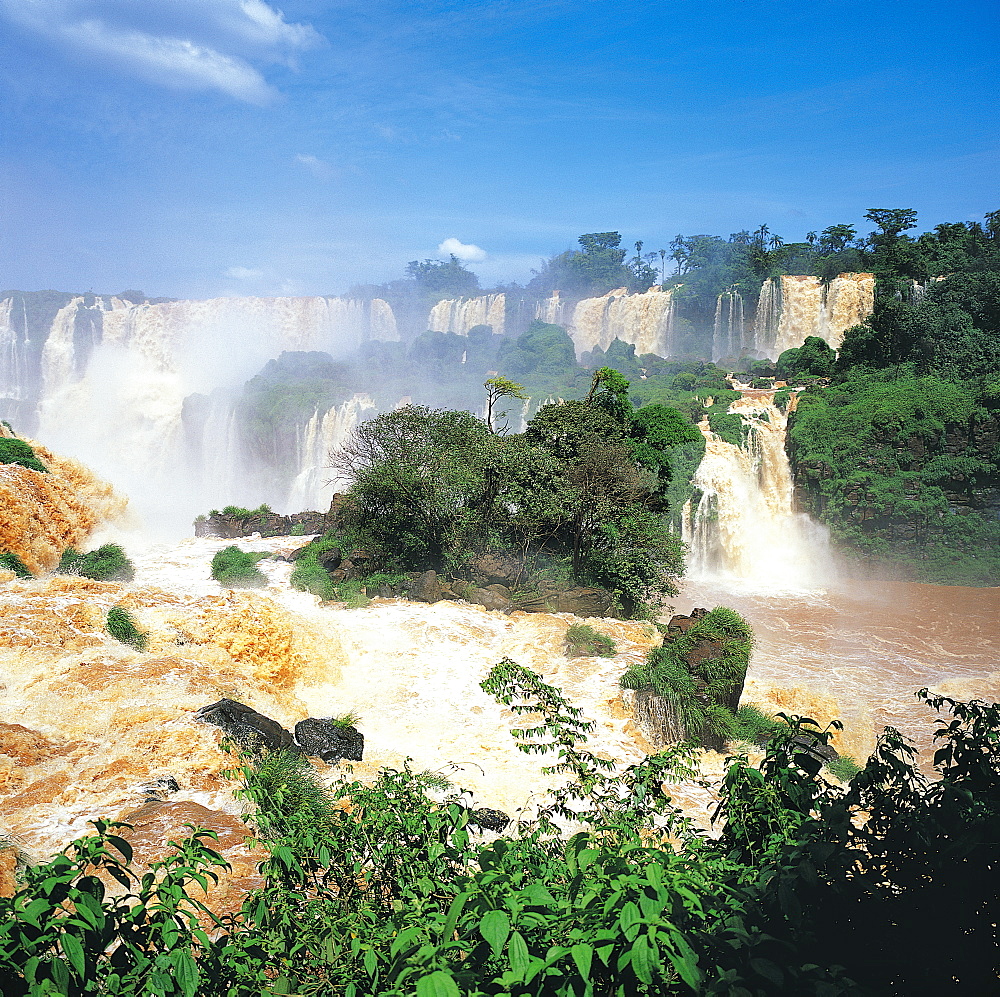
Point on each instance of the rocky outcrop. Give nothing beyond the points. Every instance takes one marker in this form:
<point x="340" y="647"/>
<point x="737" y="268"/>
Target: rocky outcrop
<point x="267" y="524"/>
<point x="323" y="738"/>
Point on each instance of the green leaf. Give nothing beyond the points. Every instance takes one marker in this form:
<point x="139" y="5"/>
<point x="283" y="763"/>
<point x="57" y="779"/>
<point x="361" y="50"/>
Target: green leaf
<point x="438" y="984"/>
<point x="517" y="952"/>
<point x="186" y="972"/>
<point x="583" y="956"/>
<point x="644" y="960"/>
<point x="769" y="970"/>
<point x="74" y="952"/>
<point x="495" y="928"/>
<point x="453" y="912"/>
<point x="628" y="916"/>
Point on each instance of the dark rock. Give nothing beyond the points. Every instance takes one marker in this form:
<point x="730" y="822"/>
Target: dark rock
<point x="331" y="559"/>
<point x="496" y="568"/>
<point x="159" y="788"/>
<point x="329" y="741"/>
<point x="584" y="602"/>
<point x="267" y="524"/>
<point x="489" y="599"/>
<point x="500" y="590"/>
<point x="425" y="587"/>
<point x="490" y="820"/>
<point x="248" y="728"/>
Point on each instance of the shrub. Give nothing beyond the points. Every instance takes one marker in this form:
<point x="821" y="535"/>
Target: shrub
<point x="582" y="640"/>
<point x="237" y="568"/>
<point x="11" y="562"/>
<point x="297" y="530"/>
<point x="122" y="626"/>
<point x="309" y="576"/>
<point x="752" y="725"/>
<point x="108" y="563"/>
<point x="844" y="767"/>
<point x="352" y="594"/>
<point x="19" y="452"/>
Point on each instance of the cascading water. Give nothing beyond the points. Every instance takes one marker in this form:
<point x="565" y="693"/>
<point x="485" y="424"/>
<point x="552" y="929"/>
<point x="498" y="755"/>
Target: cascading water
<point x="729" y="329"/>
<point x="743" y="526"/>
<point x="792" y="307"/>
<point x="459" y="315"/>
<point x="644" y="320"/>
<point x="314" y="484"/>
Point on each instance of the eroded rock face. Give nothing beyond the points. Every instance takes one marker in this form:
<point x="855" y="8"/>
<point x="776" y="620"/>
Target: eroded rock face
<point x="268" y="524"/>
<point x="329" y="741"/>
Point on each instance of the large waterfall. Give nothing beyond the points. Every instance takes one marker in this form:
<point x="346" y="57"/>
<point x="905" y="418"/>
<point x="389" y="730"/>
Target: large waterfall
<point x="644" y="320"/>
<point x="106" y="380"/>
<point x="741" y="525"/>
<point x="790" y="308"/>
<point x="459" y="315"/>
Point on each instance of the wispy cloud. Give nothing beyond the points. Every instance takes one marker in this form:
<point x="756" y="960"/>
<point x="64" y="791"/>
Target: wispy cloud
<point x="191" y="44"/>
<point x="461" y="250"/>
<point x="244" y="273"/>
<point x="319" y="168"/>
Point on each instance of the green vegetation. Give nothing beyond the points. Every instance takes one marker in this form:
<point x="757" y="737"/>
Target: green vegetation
<point x="237" y="568"/>
<point x="13" y="451"/>
<point x="753" y="726"/>
<point x="109" y="563"/>
<point x="381" y="889"/>
<point x="11" y="562"/>
<point x="438" y="490"/>
<point x="122" y="626"/>
<point x="813" y="358"/>
<point x="582" y="640"/>
<point x="702" y="691"/>
<point x="238" y="512"/>
<point x="843" y="767"/>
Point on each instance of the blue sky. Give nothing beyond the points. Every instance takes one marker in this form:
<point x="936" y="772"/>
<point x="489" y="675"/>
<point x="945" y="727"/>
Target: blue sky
<point x="193" y="148"/>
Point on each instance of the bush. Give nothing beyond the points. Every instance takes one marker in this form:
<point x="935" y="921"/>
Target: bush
<point x="108" y="563"/>
<point x="11" y="562"/>
<point x="582" y="641"/>
<point x="19" y="452"/>
<point x="122" y="626"/>
<point x="237" y="568"/>
<point x="352" y="594"/>
<point x="310" y="576"/>
<point x="238" y="512"/>
<point x="753" y="726"/>
<point x="844" y="767"/>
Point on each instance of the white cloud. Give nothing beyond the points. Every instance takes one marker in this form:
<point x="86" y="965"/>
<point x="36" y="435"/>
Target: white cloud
<point x="469" y="253"/>
<point x="244" y="273"/>
<point x="319" y="168"/>
<point x="200" y="44"/>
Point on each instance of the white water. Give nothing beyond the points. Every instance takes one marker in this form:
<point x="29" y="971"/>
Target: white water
<point x="459" y="315"/>
<point x="743" y="529"/>
<point x="790" y="308"/>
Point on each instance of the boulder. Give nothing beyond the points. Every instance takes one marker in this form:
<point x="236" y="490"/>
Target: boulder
<point x="489" y="819"/>
<point x="329" y="740"/>
<point x="425" y="587"/>
<point x="584" y="602"/>
<point x="331" y="559"/>
<point x="248" y="728"/>
<point x="496" y="568"/>
<point x="489" y="599"/>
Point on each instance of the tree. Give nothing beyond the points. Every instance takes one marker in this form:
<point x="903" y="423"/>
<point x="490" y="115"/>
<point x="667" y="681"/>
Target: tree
<point x="892" y="221"/>
<point x="497" y="388"/>
<point x="443" y="279"/>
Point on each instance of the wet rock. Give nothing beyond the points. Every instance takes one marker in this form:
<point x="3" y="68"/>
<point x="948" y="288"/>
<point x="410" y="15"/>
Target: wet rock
<point x="489" y="819"/>
<point x="329" y="741"/>
<point x="267" y="524"/>
<point x="158" y="788"/>
<point x="246" y="727"/>
<point x="584" y="602"/>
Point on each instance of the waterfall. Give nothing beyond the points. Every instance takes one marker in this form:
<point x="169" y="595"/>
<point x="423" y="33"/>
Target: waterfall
<point x="743" y="526"/>
<point x="792" y="307"/>
<point x="644" y="320"/>
<point x="459" y="315"/>
<point x="314" y="483"/>
<point x="551" y="310"/>
<point x="729" y="327"/>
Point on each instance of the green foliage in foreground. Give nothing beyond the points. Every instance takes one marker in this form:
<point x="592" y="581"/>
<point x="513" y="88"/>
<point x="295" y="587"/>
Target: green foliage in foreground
<point x="582" y="640"/>
<point x="237" y="568"/>
<point x="239" y="512"/>
<point x="19" y="452"/>
<point x="392" y="895"/>
<point x="123" y="627"/>
<point x="109" y="563"/>
<point x="11" y="562"/>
